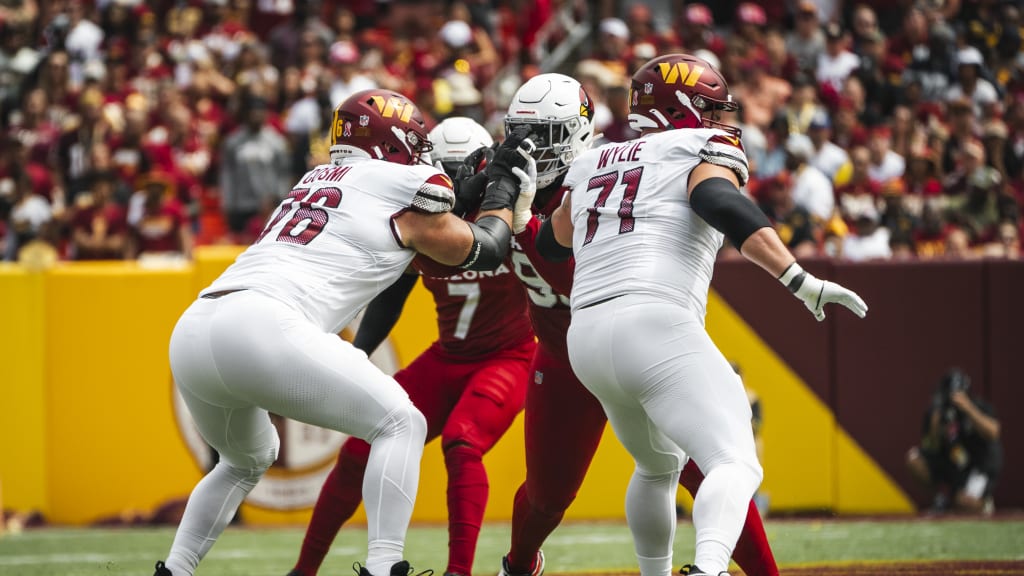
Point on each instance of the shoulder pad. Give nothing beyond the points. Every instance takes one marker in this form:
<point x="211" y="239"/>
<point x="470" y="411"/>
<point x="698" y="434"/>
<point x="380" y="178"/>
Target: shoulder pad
<point x="727" y="151"/>
<point x="435" y="195"/>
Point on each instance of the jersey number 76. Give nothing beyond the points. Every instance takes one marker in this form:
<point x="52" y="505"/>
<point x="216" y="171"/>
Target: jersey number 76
<point x="308" y="216"/>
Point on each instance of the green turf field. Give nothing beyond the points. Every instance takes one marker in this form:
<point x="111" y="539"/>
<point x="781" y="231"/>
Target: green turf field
<point x="572" y="548"/>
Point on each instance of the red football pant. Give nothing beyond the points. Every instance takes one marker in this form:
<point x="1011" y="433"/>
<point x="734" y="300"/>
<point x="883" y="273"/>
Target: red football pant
<point x="469" y="405"/>
<point x="563" y="427"/>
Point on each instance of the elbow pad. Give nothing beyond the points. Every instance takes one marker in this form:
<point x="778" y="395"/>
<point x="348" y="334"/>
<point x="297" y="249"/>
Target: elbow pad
<point x="548" y="246"/>
<point x="721" y="205"/>
<point x="491" y="240"/>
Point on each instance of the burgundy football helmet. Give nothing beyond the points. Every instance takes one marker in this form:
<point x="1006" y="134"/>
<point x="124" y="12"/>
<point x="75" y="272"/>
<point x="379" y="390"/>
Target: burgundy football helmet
<point x="379" y="124"/>
<point x="679" y="91"/>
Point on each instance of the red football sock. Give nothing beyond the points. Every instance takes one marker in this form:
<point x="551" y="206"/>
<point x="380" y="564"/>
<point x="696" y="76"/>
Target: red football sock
<point x="752" y="552"/>
<point x="467" y="499"/>
<point x="339" y="498"/>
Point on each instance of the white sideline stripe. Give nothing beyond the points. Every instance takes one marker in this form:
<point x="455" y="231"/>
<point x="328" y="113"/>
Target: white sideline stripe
<point x="90" y="558"/>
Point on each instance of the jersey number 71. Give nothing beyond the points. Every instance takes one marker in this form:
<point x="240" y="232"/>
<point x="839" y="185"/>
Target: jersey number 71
<point x="605" y="183"/>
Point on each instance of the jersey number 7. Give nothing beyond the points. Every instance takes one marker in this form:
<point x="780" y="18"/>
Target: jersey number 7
<point x="605" y="183"/>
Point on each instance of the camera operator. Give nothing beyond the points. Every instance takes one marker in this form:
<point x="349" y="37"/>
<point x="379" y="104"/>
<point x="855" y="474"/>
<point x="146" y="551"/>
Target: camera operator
<point x="960" y="455"/>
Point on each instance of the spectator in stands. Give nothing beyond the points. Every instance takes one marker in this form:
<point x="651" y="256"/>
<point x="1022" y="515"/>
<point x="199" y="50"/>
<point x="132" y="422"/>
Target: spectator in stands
<point x="836" y="62"/>
<point x="963" y="128"/>
<point x="289" y="39"/>
<point x="28" y="215"/>
<point x="927" y="51"/>
<point x="769" y="159"/>
<point x="795" y="225"/>
<point x="828" y="157"/>
<point x="960" y="455"/>
<point x="858" y="189"/>
<point x="868" y="239"/>
<point x="886" y="164"/>
<point x="158" y="224"/>
<point x="812" y="189"/>
<point x="612" y="47"/>
<point x="970" y="84"/>
<point x="348" y="79"/>
<point x="921" y="181"/>
<point x="865" y="26"/>
<point x="472" y="53"/>
<point x="464" y="97"/>
<point x="899" y="219"/>
<point x="806" y="40"/>
<point x="98" y="227"/>
<point x="1007" y="243"/>
<point x="618" y="130"/>
<point x="254" y="171"/>
<point x="696" y="30"/>
<point x="971" y="169"/>
<point x="802" y="104"/>
<point x="958" y="244"/>
<point x="749" y="25"/>
<point x="976" y="207"/>
<point x="760" y="92"/>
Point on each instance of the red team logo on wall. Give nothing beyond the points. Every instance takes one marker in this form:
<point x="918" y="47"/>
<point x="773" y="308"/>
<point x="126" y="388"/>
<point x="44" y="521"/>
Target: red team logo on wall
<point x="307" y="452"/>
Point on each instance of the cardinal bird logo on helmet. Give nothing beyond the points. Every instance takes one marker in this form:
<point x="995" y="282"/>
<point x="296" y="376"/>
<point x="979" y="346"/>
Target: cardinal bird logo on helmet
<point x="586" y="109"/>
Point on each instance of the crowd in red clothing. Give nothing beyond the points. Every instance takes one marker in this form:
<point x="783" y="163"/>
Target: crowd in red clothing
<point x="874" y="130"/>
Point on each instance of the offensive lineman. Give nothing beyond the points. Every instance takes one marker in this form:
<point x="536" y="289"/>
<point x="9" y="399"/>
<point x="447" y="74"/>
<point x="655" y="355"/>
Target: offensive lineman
<point x="470" y="384"/>
<point x="563" y="420"/>
<point x="263" y="336"/>
<point x="644" y="253"/>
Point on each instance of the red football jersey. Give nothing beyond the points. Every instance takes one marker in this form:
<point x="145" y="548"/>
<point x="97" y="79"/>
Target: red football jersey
<point x="548" y="283"/>
<point x="479" y="313"/>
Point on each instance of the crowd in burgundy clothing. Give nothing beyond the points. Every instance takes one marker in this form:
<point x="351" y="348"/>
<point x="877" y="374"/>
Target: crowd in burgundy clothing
<point x="873" y="129"/>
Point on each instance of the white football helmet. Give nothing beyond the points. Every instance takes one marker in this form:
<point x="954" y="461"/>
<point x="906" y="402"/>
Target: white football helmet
<point x="561" y="116"/>
<point x="454" y="139"/>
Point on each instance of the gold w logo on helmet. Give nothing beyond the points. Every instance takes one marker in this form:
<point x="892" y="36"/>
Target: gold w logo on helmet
<point x="680" y="71"/>
<point x="389" y="107"/>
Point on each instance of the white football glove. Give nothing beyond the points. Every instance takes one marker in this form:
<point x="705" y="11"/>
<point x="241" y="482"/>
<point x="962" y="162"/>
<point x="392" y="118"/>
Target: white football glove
<point x="522" y="212"/>
<point x="816" y="292"/>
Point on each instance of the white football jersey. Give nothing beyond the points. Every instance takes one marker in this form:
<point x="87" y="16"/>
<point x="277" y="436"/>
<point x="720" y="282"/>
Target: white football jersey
<point x="634" y="230"/>
<point x="332" y="245"/>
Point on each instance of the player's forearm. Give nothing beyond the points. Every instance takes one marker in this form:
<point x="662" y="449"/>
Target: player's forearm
<point x="504" y="213"/>
<point x="561" y="225"/>
<point x="765" y="248"/>
<point x="492" y="237"/>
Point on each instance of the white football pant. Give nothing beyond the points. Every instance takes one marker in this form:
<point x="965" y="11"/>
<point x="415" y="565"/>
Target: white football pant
<point x="668" y="392"/>
<point x="239" y="356"/>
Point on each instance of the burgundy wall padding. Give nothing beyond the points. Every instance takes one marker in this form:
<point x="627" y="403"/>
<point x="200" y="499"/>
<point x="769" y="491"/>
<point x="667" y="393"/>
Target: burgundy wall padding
<point x="878" y="374"/>
<point x="922" y="320"/>
<point x="1005" y="284"/>
<point x="779" y="319"/>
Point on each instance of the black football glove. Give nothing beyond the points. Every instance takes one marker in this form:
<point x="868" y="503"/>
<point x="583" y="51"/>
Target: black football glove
<point x="502" y="183"/>
<point x="470" y="181"/>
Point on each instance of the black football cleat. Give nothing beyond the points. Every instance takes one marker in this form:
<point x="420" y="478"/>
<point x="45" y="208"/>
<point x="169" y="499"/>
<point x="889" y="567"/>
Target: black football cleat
<point x="162" y="570"/>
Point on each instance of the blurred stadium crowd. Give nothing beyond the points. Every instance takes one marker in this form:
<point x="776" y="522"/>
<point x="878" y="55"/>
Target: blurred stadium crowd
<point x="884" y="129"/>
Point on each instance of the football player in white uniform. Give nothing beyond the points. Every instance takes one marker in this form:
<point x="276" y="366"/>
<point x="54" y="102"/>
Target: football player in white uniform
<point x="645" y="220"/>
<point x="263" y="336"/>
